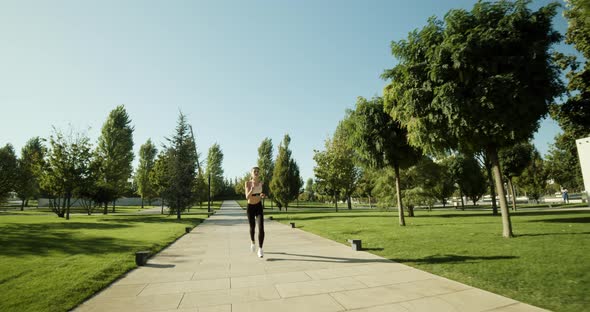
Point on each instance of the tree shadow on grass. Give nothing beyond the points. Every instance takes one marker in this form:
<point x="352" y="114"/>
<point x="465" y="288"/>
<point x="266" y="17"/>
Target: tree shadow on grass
<point x="564" y="220"/>
<point x="434" y="259"/>
<point x="437" y="259"/>
<point x="41" y="239"/>
<point x="150" y="219"/>
<point x="549" y="234"/>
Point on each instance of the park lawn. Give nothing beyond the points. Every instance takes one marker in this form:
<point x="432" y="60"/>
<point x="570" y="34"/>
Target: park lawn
<point x="546" y="265"/>
<point x="51" y="264"/>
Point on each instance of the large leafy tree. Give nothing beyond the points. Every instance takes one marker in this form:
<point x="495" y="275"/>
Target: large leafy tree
<point x="8" y="171"/>
<point x="562" y="164"/>
<point x="160" y="176"/>
<point x="381" y="142"/>
<point x="67" y="169"/>
<point x="115" y="151"/>
<point x="574" y="114"/>
<point x="30" y="166"/>
<point x="286" y="181"/>
<point x="147" y="158"/>
<point x="335" y="171"/>
<point x="514" y="160"/>
<point x="215" y="169"/>
<point x="181" y="168"/>
<point x="477" y="80"/>
<point x="265" y="165"/>
<point x="533" y="179"/>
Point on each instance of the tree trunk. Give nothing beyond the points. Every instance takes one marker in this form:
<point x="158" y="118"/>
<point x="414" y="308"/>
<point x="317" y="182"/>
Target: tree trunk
<point x="335" y="202"/>
<point x="492" y="190"/>
<point x="349" y="202"/>
<point x="370" y="203"/>
<point x="410" y="211"/>
<point x="27" y="203"/>
<point x="106" y="208"/>
<point x="178" y="209"/>
<point x="162" y="203"/>
<point x="506" y="224"/>
<point x="511" y="187"/>
<point x="68" y="208"/>
<point x="398" y="192"/>
<point x="114" y="201"/>
<point x="462" y="202"/>
<point x="22" y="205"/>
<point x="141" y="202"/>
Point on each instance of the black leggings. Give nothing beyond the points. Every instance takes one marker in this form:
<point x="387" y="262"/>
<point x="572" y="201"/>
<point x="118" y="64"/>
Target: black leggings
<point x="255" y="213"/>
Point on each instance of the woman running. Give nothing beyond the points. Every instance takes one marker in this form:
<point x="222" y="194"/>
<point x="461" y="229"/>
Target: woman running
<point x="254" y="196"/>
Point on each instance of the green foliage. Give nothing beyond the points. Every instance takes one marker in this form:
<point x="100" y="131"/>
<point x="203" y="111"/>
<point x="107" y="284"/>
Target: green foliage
<point x="477" y="79"/>
<point x="67" y="168"/>
<point x="30" y="166"/>
<point x="335" y="171"/>
<point x="115" y="150"/>
<point x="214" y="168"/>
<point x="469" y="176"/>
<point x="377" y="140"/>
<point x="265" y="164"/>
<point x="533" y="180"/>
<point x="514" y="159"/>
<point x="8" y="171"/>
<point x="286" y="181"/>
<point x="432" y="181"/>
<point x="181" y="168"/>
<point x="309" y="190"/>
<point x="562" y="163"/>
<point x="147" y="156"/>
<point x="161" y="174"/>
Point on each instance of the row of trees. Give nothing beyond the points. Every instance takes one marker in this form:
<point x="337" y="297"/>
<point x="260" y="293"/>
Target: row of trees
<point x="281" y="176"/>
<point x="71" y="168"/>
<point x="467" y="94"/>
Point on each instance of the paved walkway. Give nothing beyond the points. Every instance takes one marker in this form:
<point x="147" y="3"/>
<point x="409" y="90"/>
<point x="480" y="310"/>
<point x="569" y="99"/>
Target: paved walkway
<point x="212" y="269"/>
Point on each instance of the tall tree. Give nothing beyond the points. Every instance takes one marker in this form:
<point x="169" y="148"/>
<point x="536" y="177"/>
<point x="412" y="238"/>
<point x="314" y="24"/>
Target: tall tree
<point x="160" y="176"/>
<point x="286" y="181"/>
<point x="533" y="179"/>
<point x="265" y="165"/>
<point x="115" y="150"/>
<point x="8" y="171"/>
<point x="68" y="165"/>
<point x="335" y="170"/>
<point x="478" y="80"/>
<point x="574" y="114"/>
<point x="309" y="190"/>
<point x="182" y="168"/>
<point x="381" y="142"/>
<point x="30" y="166"/>
<point x="147" y="158"/>
<point x="215" y="169"/>
<point x="514" y="160"/>
<point x="562" y="163"/>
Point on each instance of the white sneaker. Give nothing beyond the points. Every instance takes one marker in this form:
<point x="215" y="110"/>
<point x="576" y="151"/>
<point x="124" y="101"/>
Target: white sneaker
<point x="260" y="253"/>
<point x="252" y="247"/>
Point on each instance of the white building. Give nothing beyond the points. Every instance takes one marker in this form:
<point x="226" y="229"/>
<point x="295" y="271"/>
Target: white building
<point x="583" y="146"/>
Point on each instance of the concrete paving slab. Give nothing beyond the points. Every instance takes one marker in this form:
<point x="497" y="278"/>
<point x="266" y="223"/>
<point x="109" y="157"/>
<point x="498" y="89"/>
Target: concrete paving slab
<point x="211" y="269"/>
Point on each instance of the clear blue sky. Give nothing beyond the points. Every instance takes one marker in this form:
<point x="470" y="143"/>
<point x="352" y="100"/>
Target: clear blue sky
<point x="240" y="70"/>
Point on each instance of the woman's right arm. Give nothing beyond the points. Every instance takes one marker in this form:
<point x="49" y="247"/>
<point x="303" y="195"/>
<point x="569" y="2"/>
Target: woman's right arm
<point x="248" y="190"/>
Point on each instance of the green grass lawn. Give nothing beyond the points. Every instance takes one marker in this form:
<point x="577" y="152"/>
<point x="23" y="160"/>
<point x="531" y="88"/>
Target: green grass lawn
<point x="547" y="264"/>
<point x="50" y="264"/>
